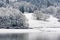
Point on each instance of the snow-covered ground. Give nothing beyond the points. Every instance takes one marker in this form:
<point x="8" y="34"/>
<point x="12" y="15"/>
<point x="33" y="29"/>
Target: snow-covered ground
<point x="52" y="21"/>
<point x="12" y="31"/>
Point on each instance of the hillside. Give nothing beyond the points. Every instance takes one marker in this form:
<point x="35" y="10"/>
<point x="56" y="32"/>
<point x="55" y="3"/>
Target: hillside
<point x="51" y="23"/>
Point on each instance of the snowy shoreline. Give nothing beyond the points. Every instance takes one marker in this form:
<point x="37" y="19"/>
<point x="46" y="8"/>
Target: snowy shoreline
<point x="6" y="31"/>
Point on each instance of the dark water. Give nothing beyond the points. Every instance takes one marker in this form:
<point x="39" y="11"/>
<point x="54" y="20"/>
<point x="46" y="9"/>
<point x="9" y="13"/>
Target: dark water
<point x="22" y="36"/>
<point x="31" y="36"/>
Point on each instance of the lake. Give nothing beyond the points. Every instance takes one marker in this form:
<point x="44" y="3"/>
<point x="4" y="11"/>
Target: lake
<point x="31" y="36"/>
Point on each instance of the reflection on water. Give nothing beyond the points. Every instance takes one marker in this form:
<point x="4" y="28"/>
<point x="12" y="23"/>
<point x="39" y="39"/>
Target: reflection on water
<point x="22" y="36"/>
<point x="45" y="36"/>
<point x="31" y="36"/>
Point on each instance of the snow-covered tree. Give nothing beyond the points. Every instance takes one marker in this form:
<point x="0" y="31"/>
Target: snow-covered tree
<point x="24" y="6"/>
<point x="2" y="4"/>
<point x="40" y="15"/>
<point x="43" y="3"/>
<point x="49" y="10"/>
<point x="12" y="18"/>
<point x="7" y="1"/>
<point x="52" y="10"/>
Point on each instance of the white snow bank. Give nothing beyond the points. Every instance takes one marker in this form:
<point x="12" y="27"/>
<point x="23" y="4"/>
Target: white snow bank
<point x="6" y="31"/>
<point x="52" y="21"/>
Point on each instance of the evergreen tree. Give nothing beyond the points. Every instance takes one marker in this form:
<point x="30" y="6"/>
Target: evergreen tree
<point x="22" y="9"/>
<point x="7" y="1"/>
<point x="1" y="3"/>
<point x="49" y="4"/>
<point x="30" y="10"/>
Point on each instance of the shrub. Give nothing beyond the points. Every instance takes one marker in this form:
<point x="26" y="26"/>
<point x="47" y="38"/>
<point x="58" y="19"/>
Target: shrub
<point x="40" y="15"/>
